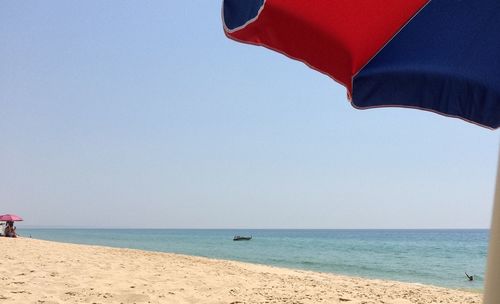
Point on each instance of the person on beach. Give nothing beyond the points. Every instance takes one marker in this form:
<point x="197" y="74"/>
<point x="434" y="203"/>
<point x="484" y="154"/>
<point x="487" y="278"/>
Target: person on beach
<point x="10" y="230"/>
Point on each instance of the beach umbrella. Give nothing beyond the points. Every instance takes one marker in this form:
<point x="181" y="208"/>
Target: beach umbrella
<point x="441" y="56"/>
<point x="10" y="218"/>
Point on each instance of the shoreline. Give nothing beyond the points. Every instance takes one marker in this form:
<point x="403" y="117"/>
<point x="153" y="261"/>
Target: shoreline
<point x="472" y="290"/>
<point x="39" y="271"/>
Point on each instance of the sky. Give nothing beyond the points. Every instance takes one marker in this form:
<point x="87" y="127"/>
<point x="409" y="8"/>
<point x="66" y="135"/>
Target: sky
<point x="142" y="114"/>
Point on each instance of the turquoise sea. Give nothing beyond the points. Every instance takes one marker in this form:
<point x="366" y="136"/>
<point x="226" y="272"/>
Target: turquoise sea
<point x="436" y="257"/>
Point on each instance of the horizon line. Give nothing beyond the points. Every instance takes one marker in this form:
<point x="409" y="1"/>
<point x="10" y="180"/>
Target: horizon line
<point x="237" y="228"/>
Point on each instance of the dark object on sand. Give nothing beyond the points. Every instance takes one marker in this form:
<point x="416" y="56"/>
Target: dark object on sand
<point x="470" y="277"/>
<point x="242" y="238"/>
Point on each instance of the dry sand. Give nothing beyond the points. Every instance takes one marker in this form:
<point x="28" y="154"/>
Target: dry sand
<point x="35" y="271"/>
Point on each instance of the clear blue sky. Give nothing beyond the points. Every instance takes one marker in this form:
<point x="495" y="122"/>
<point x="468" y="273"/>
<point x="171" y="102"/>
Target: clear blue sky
<point x="143" y="114"/>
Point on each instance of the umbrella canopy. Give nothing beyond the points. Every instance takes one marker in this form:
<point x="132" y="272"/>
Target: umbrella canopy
<point x="10" y="218"/>
<point x="440" y="55"/>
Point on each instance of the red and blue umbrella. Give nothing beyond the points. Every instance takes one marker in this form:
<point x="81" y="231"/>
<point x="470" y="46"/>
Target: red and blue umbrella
<point x="441" y="56"/>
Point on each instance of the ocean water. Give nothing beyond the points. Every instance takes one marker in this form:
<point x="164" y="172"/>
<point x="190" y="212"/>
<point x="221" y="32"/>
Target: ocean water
<point x="436" y="257"/>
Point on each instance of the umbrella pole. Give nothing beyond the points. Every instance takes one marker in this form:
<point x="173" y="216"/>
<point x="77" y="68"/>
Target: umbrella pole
<point x="492" y="283"/>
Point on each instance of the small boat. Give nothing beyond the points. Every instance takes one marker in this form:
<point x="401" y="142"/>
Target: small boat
<point x="242" y="238"/>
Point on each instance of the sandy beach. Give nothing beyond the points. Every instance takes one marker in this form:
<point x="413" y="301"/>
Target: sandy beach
<point x="36" y="271"/>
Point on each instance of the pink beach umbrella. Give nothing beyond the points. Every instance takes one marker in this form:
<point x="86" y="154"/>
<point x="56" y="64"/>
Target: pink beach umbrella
<point x="10" y="218"/>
